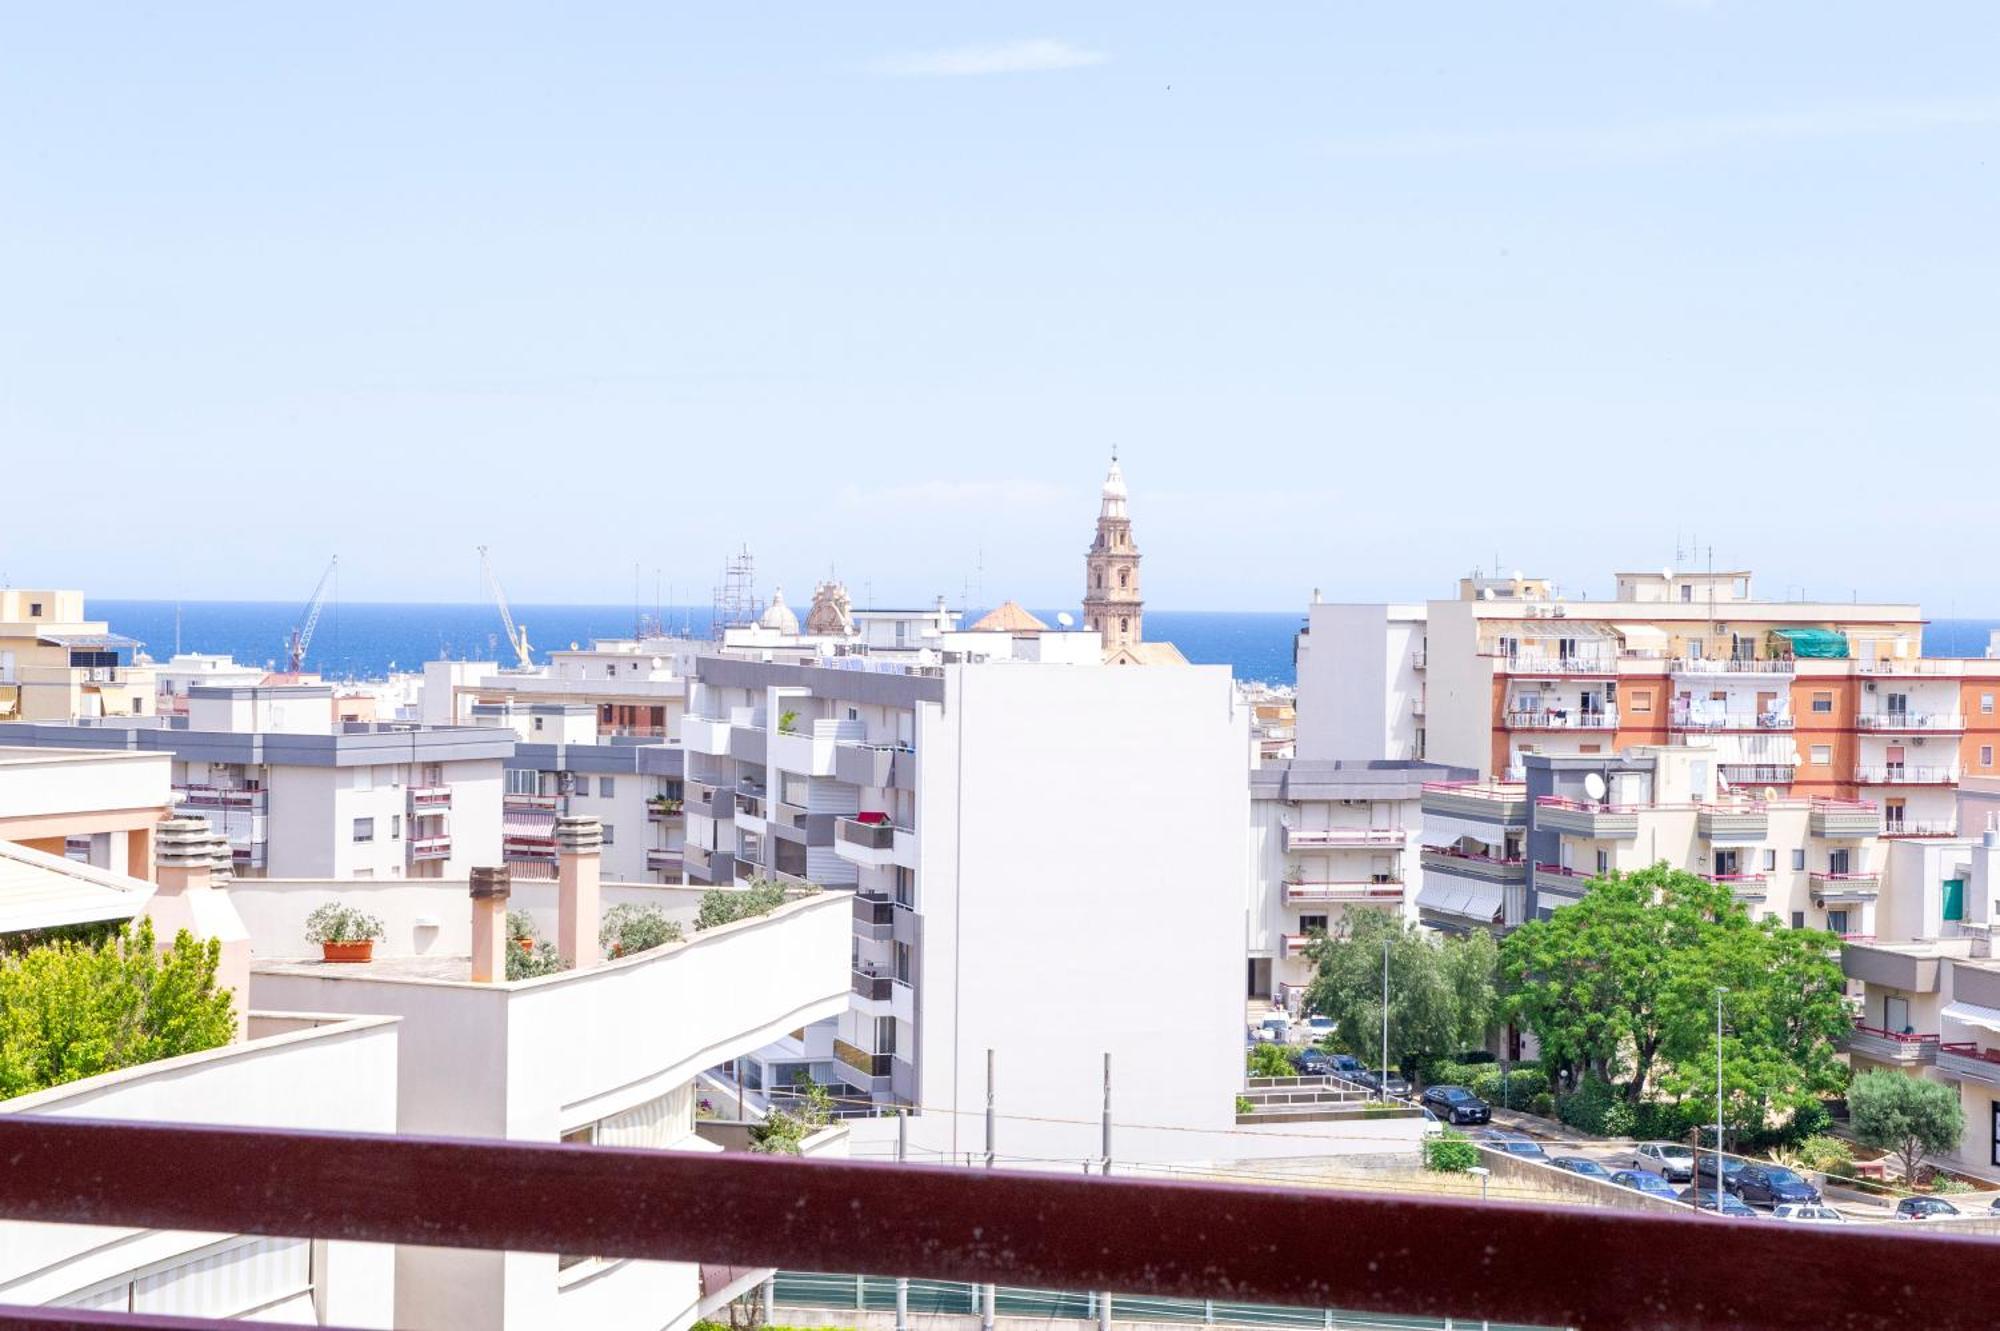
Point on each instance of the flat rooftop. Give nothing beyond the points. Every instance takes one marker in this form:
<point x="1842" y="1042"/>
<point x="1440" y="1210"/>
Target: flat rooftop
<point x="458" y="969"/>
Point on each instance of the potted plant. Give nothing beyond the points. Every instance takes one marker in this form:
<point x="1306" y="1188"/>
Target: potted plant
<point x="343" y="933"/>
<point x="786" y="721"/>
<point x="521" y="930"/>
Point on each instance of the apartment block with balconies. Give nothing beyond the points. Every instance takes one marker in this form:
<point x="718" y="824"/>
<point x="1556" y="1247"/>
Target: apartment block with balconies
<point x="56" y="665"/>
<point x="1329" y="838"/>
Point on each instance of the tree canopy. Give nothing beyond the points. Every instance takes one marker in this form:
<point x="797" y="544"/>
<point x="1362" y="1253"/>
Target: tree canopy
<point x="1906" y="1115"/>
<point x="1622" y="984"/>
<point x="71" y="1009"/>
<point x="1441" y="990"/>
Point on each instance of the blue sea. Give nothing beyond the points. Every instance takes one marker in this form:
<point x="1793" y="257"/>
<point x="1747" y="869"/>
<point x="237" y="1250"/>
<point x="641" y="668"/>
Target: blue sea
<point x="370" y="639"/>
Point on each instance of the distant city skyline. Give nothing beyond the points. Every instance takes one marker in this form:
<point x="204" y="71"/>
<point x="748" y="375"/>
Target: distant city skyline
<point x="1365" y="299"/>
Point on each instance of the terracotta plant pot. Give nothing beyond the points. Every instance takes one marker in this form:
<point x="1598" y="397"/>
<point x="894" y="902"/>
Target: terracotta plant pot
<point x="527" y="945"/>
<point x="363" y="950"/>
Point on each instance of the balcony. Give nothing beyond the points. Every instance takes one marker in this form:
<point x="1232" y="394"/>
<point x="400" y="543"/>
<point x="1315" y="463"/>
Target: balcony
<point x="660" y="809"/>
<point x="863" y="1062"/>
<point x="1599" y="822"/>
<point x="873" y="987"/>
<point x="1917" y="829"/>
<point x="875" y="918"/>
<point x="1746" y="886"/>
<point x="1183" y="1239"/>
<point x="528" y="848"/>
<point x="1844" y="820"/>
<point x="662" y="859"/>
<point x="1504" y="803"/>
<point x="1419" y="659"/>
<point x="1563" y="719"/>
<point x="1707" y="722"/>
<point x="749" y="809"/>
<point x="702" y="798"/>
<point x="868" y="843"/>
<point x="1901" y="774"/>
<point x="429" y="848"/>
<point x="221" y="797"/>
<point x="1296" y="944"/>
<point x="1909" y="723"/>
<point x="1524" y="666"/>
<point x="1897" y="1047"/>
<point x="429" y="799"/>
<point x="1307" y="891"/>
<point x="1729" y="665"/>
<point x="870" y="765"/>
<point x="1732" y="822"/>
<point x="1758" y="774"/>
<point x="1561" y="879"/>
<point x="1920" y="666"/>
<point x="1838" y="887"/>
<point x="1964" y="1058"/>
<point x="529" y="804"/>
<point x="1467" y="864"/>
<point x="1342" y="838"/>
<point x="1417" y="704"/>
<point x="705" y="735"/>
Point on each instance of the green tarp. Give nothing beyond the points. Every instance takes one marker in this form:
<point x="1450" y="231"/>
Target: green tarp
<point x="1824" y="644"/>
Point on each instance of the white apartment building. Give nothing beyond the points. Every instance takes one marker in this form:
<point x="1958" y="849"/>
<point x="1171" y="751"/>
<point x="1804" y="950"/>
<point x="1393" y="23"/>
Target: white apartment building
<point x="1327" y="839"/>
<point x="632" y="685"/>
<point x="297" y="794"/>
<point x="1361" y="671"/>
<point x="173" y="678"/>
<point x="608" y="1053"/>
<point x="98" y="808"/>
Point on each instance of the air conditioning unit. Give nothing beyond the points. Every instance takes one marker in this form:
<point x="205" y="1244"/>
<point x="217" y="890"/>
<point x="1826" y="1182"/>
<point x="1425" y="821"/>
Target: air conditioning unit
<point x="1558" y="611"/>
<point x="1871" y="686"/>
<point x="1919" y="741"/>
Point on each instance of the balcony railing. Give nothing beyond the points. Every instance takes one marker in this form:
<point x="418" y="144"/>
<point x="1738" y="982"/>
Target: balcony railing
<point x="430" y="848"/>
<point x="1844" y="819"/>
<point x="1306" y="890"/>
<point x="1419" y="659"/>
<point x="1750" y="885"/>
<point x="863" y="1062"/>
<point x="663" y="860"/>
<point x="1341" y="838"/>
<point x="1891" y="1046"/>
<point x="1758" y="774"/>
<point x="221" y="797"/>
<point x="430" y="799"/>
<point x="1908" y="722"/>
<point x="1901" y="774"/>
<point x="529" y="803"/>
<point x="1710" y="722"/>
<point x="1732" y="822"/>
<point x="1582" y="818"/>
<point x="1914" y="829"/>
<point x="1504" y="802"/>
<point x="869" y="836"/>
<point x="1964" y="1058"/>
<point x="875" y="987"/>
<point x="1729" y="665"/>
<point x="1557" y="666"/>
<point x="1845" y="885"/>
<point x="1491" y="868"/>
<point x="748" y="805"/>
<point x="1563" y="719"/>
<point x="1182" y="1239"/>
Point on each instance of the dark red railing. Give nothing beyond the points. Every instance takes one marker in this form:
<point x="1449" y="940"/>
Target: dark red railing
<point x="1970" y="1049"/>
<point x="1560" y="1267"/>
<point x="1901" y="1037"/>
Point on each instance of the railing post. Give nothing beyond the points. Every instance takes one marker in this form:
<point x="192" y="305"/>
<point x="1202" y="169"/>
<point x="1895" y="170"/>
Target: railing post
<point x="986" y="1312"/>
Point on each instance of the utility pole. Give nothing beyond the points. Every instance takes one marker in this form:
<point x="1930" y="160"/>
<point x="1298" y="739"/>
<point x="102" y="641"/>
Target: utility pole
<point x="986" y="1313"/>
<point x="1719" y="992"/>
<point x="1103" y="1300"/>
<point x="1382" y="1082"/>
<point x="902" y="1282"/>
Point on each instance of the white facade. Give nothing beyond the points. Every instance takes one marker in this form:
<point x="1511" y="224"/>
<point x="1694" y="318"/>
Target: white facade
<point x="1362" y="671"/>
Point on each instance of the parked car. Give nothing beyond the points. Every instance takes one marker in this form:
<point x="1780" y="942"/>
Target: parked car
<point x="1374" y="1081"/>
<point x="1315" y="1029"/>
<point x="1275" y="1029"/>
<point x="1721" y="1203"/>
<point x="1646" y="1181"/>
<point x="1456" y="1105"/>
<point x="1768" y="1185"/>
<point x="1314" y="1063"/>
<point x="1347" y="1064"/>
<point x="1513" y="1143"/>
<point x="1670" y="1160"/>
<point x="1704" y="1169"/>
<point x="1577" y="1164"/>
<point x="1924" y="1208"/>
<point x="1807" y="1213"/>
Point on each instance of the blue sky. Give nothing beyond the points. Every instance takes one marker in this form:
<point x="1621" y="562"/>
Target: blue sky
<point x="1366" y="294"/>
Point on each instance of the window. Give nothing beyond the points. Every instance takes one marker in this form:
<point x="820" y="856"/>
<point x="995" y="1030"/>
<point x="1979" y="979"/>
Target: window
<point x="1308" y="923"/>
<point x="1642" y="700"/>
<point x="34" y="610"/>
<point x="606" y="829"/>
<point x="1798" y="919"/>
<point x="1770" y="861"/>
<point x="903" y="963"/>
<point x="1836" y="921"/>
<point x="1798" y="861"/>
<point x="1822" y="755"/>
<point x="885" y="1035"/>
<point x="906" y="886"/>
<point x="1687" y="592"/>
<point x="1124" y="577"/>
<point x="1124" y="624"/>
<point x="1839" y="861"/>
<point x="1603" y="862"/>
<point x="854" y="713"/>
<point x="1986" y="755"/>
<point x="1954" y="898"/>
<point x="395" y="826"/>
<point x="1986" y="703"/>
<point x="605" y="786"/>
<point x="1822" y="701"/>
<point x="364" y="873"/>
<point x="364" y="829"/>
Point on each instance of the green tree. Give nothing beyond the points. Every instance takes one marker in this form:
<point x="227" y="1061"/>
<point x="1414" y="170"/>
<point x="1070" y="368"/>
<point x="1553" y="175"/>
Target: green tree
<point x="726" y="905"/>
<point x="1449" y="1153"/>
<point x="782" y="1131"/>
<point x="1908" y="1116"/>
<point x="71" y="1009"/>
<point x="1441" y="991"/>
<point x="1622" y="985"/>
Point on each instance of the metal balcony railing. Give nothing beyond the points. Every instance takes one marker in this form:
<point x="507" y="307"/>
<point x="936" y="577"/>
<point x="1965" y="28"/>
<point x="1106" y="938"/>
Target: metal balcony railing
<point x="1370" y="1253"/>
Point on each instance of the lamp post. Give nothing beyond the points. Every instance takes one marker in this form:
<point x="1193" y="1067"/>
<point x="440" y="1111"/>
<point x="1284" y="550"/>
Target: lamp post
<point x="1382" y="1082"/>
<point x="1484" y="1175"/>
<point x="1719" y="992"/>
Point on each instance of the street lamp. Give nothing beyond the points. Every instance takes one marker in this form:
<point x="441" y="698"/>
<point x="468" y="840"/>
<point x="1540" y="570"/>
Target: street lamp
<point x="1484" y="1175"/>
<point x="1382" y="1082"/>
<point x="1719" y="992"/>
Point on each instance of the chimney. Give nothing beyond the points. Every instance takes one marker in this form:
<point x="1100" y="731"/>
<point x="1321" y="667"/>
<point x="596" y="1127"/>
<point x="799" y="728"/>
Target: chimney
<point x="490" y="889"/>
<point x="187" y="857"/>
<point x="579" y="841"/>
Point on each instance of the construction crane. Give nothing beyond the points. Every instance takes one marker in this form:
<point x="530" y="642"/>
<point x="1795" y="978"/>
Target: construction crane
<point x="302" y="633"/>
<point x="517" y="638"/>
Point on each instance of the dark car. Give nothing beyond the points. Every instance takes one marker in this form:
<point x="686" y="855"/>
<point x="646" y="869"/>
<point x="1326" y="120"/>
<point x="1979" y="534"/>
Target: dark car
<point x="1768" y="1185"/>
<point x="1646" y="1181"/>
<point x="1371" y="1080"/>
<point x="1720" y="1202"/>
<point x="1576" y="1164"/>
<point x="1513" y="1143"/>
<point x="1704" y="1169"/>
<point x="1455" y="1104"/>
<point x="1314" y="1063"/>
<point x="1345" y="1064"/>
<point x="1924" y="1208"/>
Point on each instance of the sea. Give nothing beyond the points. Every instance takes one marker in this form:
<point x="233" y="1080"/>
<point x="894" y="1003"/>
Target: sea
<point x="368" y="640"/>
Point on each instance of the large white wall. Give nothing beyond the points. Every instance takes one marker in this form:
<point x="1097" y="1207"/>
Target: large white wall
<point x="1080" y="878"/>
<point x="1357" y="681"/>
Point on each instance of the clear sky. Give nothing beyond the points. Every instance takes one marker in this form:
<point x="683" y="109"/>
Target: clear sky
<point x="1367" y="294"/>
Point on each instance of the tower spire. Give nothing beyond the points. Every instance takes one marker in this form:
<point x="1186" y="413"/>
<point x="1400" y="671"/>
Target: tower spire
<point x="1112" y="604"/>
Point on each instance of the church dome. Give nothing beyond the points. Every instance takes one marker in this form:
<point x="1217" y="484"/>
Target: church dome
<point x="1114" y="480"/>
<point x="778" y="615"/>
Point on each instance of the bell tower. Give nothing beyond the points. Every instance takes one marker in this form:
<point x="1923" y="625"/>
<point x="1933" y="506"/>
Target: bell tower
<point x="1112" y="604"/>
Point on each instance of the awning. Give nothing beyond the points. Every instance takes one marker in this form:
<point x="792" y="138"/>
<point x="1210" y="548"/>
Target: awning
<point x="1823" y="644"/>
<point x="1477" y="903"/>
<point x="41" y="891"/>
<point x="100" y="640"/>
<point x="1643" y="637"/>
<point x="1985" y="1018"/>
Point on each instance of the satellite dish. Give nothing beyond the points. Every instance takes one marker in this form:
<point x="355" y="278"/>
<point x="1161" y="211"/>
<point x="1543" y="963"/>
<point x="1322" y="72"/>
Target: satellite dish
<point x="1667" y="574"/>
<point x="1593" y="786"/>
<point x="1066" y="619"/>
<point x="1770" y="794"/>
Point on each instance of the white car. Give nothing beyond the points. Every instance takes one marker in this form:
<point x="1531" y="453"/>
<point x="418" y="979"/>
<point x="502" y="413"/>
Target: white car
<point x="1670" y="1160"/>
<point x="1807" y="1213"/>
